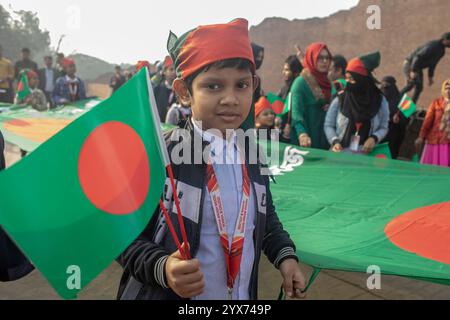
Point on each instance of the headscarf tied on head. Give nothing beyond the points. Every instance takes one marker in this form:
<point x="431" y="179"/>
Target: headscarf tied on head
<point x="208" y="44"/>
<point x="445" y="122"/>
<point x="362" y="99"/>
<point x="310" y="63"/>
<point x="392" y="94"/>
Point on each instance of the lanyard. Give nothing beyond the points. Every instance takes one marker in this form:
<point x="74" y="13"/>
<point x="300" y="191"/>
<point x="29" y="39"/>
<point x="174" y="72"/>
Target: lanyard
<point x="233" y="255"/>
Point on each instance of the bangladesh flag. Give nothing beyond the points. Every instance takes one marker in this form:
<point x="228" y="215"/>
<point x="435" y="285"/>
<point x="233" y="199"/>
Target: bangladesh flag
<point x="407" y="106"/>
<point x="348" y="212"/>
<point x="279" y="106"/>
<point x="23" y="90"/>
<point x="381" y="151"/>
<point x="76" y="203"/>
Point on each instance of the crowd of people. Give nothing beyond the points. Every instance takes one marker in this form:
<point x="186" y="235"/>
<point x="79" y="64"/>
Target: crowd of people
<point x="49" y="86"/>
<point x="335" y="104"/>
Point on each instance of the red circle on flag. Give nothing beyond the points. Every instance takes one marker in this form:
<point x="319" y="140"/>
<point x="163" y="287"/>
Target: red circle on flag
<point x="423" y="231"/>
<point x="113" y="169"/>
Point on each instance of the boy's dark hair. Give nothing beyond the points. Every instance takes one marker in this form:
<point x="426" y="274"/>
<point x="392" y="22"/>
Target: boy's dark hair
<point x="26" y="50"/>
<point x="237" y="63"/>
<point x="294" y="64"/>
<point x="446" y="36"/>
<point x="340" y="62"/>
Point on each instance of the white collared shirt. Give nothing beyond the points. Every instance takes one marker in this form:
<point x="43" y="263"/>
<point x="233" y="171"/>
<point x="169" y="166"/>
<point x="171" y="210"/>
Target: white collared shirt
<point x="210" y="253"/>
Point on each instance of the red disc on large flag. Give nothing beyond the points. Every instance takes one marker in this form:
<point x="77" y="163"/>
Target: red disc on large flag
<point x="113" y="169"/>
<point x="423" y="231"/>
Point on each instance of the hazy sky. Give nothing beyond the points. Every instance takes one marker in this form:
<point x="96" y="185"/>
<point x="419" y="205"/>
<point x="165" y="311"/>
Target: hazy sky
<point x="131" y="30"/>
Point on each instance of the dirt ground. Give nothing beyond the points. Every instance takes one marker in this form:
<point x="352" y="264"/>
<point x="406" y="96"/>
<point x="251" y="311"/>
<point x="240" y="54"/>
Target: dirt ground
<point x="330" y="285"/>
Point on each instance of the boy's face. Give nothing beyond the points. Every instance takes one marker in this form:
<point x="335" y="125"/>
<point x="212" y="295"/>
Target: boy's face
<point x="33" y="82"/>
<point x="221" y="98"/>
<point x="335" y="73"/>
<point x="266" y="119"/>
<point x="71" y="70"/>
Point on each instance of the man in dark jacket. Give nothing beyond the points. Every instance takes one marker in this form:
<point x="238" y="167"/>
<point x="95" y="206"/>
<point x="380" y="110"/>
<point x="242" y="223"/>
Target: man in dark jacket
<point x="47" y="79"/>
<point x="424" y="57"/>
<point x="13" y="264"/>
<point x="25" y="63"/>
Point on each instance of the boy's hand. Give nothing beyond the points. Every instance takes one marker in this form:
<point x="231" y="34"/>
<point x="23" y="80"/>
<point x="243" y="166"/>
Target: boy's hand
<point x="293" y="279"/>
<point x="184" y="277"/>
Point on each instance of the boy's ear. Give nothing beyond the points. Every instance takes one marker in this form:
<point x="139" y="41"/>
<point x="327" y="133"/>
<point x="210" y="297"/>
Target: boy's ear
<point x="256" y="82"/>
<point x="182" y="91"/>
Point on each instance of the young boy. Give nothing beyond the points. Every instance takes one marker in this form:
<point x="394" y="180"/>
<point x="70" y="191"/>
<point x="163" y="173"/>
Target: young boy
<point x="37" y="98"/>
<point x="69" y="88"/>
<point x="218" y="84"/>
<point x="265" y="120"/>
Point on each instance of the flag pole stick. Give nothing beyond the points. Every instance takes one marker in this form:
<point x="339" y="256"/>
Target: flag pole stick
<point x="163" y="149"/>
<point x="172" y="229"/>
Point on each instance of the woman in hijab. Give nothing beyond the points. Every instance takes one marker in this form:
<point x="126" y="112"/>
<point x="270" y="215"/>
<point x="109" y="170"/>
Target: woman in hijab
<point x="311" y="94"/>
<point x="397" y="121"/>
<point x="435" y="131"/>
<point x="358" y="119"/>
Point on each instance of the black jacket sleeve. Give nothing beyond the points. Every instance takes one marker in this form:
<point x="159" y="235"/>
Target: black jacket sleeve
<point x="2" y="155"/>
<point x="145" y="260"/>
<point x="277" y="244"/>
<point x="13" y="264"/>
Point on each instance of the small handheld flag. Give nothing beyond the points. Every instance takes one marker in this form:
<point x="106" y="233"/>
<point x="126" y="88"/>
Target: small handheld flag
<point x="407" y="106"/>
<point x="23" y="90"/>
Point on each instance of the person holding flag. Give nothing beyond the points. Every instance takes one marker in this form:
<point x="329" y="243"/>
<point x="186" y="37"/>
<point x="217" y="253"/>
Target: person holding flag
<point x="28" y="92"/>
<point x="435" y="132"/>
<point x="228" y="212"/>
<point x="358" y="119"/>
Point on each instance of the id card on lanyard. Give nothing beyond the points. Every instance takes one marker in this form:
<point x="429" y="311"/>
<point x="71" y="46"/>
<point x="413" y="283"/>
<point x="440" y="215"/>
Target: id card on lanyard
<point x="356" y="139"/>
<point x="233" y="254"/>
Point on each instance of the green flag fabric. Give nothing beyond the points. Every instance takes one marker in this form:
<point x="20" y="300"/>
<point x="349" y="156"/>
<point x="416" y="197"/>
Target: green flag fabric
<point x="279" y="106"/>
<point x="28" y="128"/>
<point x="348" y="212"/>
<point x="23" y="90"/>
<point x="76" y="203"/>
<point x="407" y="106"/>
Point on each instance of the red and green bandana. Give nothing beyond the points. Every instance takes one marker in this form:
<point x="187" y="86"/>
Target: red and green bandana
<point x="207" y="44"/>
<point x="233" y="255"/>
<point x="365" y="64"/>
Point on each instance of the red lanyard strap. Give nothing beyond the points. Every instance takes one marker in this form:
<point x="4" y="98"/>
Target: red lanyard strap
<point x="233" y="255"/>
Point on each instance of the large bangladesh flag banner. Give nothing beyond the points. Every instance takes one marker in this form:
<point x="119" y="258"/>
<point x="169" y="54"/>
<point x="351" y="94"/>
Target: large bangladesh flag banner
<point x="76" y="202"/>
<point x="349" y="212"/>
<point x="28" y="128"/>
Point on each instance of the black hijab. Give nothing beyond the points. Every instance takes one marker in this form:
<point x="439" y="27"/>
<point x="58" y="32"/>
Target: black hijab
<point x="362" y="100"/>
<point x="360" y="103"/>
<point x="392" y="94"/>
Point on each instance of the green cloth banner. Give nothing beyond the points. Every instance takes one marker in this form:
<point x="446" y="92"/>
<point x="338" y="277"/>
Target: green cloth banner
<point x="349" y="212"/>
